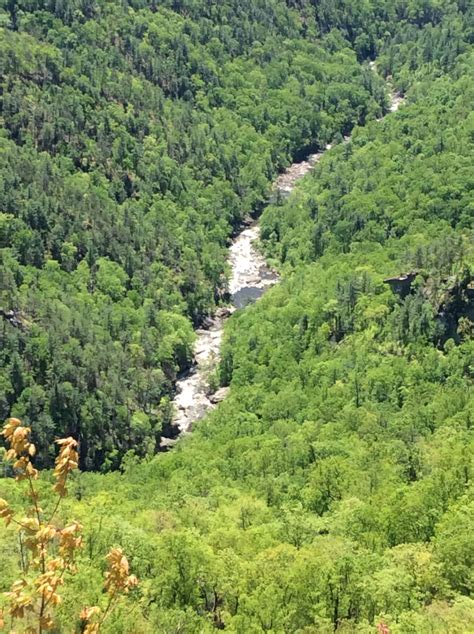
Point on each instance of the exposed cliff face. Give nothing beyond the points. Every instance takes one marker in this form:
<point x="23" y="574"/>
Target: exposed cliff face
<point x="452" y="299"/>
<point x="456" y="309"/>
<point x="401" y="284"/>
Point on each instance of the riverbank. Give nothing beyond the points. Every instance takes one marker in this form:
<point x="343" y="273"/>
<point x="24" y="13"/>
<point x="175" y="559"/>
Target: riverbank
<point x="250" y="278"/>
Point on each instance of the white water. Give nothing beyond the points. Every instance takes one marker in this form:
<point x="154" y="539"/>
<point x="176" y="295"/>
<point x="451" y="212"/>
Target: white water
<point x="250" y="277"/>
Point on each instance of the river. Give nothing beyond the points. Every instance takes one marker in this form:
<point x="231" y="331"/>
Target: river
<point x="250" y="277"/>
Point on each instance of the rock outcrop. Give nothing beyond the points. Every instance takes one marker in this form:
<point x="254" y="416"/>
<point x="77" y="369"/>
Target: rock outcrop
<point x="401" y="284"/>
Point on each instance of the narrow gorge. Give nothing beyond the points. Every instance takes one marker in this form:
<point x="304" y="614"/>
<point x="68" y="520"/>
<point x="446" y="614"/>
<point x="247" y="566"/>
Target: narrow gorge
<point x="236" y="383"/>
<point x="250" y="277"/>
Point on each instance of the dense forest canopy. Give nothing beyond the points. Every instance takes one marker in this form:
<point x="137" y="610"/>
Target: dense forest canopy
<point x="332" y="490"/>
<point x="135" y="140"/>
<point x="136" y="137"/>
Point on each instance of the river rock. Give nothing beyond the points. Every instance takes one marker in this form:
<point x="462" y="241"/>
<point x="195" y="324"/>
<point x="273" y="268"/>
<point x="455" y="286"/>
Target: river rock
<point x="224" y="311"/>
<point x="220" y="395"/>
<point x="167" y="443"/>
<point x="207" y="323"/>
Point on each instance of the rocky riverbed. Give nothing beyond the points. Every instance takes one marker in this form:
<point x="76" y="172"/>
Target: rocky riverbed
<point x="250" y="278"/>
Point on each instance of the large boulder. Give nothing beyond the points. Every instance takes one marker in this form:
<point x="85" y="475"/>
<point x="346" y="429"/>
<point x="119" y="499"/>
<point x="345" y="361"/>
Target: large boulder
<point x="220" y="395"/>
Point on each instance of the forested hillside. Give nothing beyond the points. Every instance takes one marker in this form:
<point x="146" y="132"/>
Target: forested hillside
<point x="332" y="490"/>
<point x="135" y="140"/>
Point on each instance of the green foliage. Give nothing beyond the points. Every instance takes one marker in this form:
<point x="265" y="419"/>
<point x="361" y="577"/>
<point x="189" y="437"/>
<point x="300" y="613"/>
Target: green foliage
<point x="332" y="490"/>
<point x="135" y="140"/>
